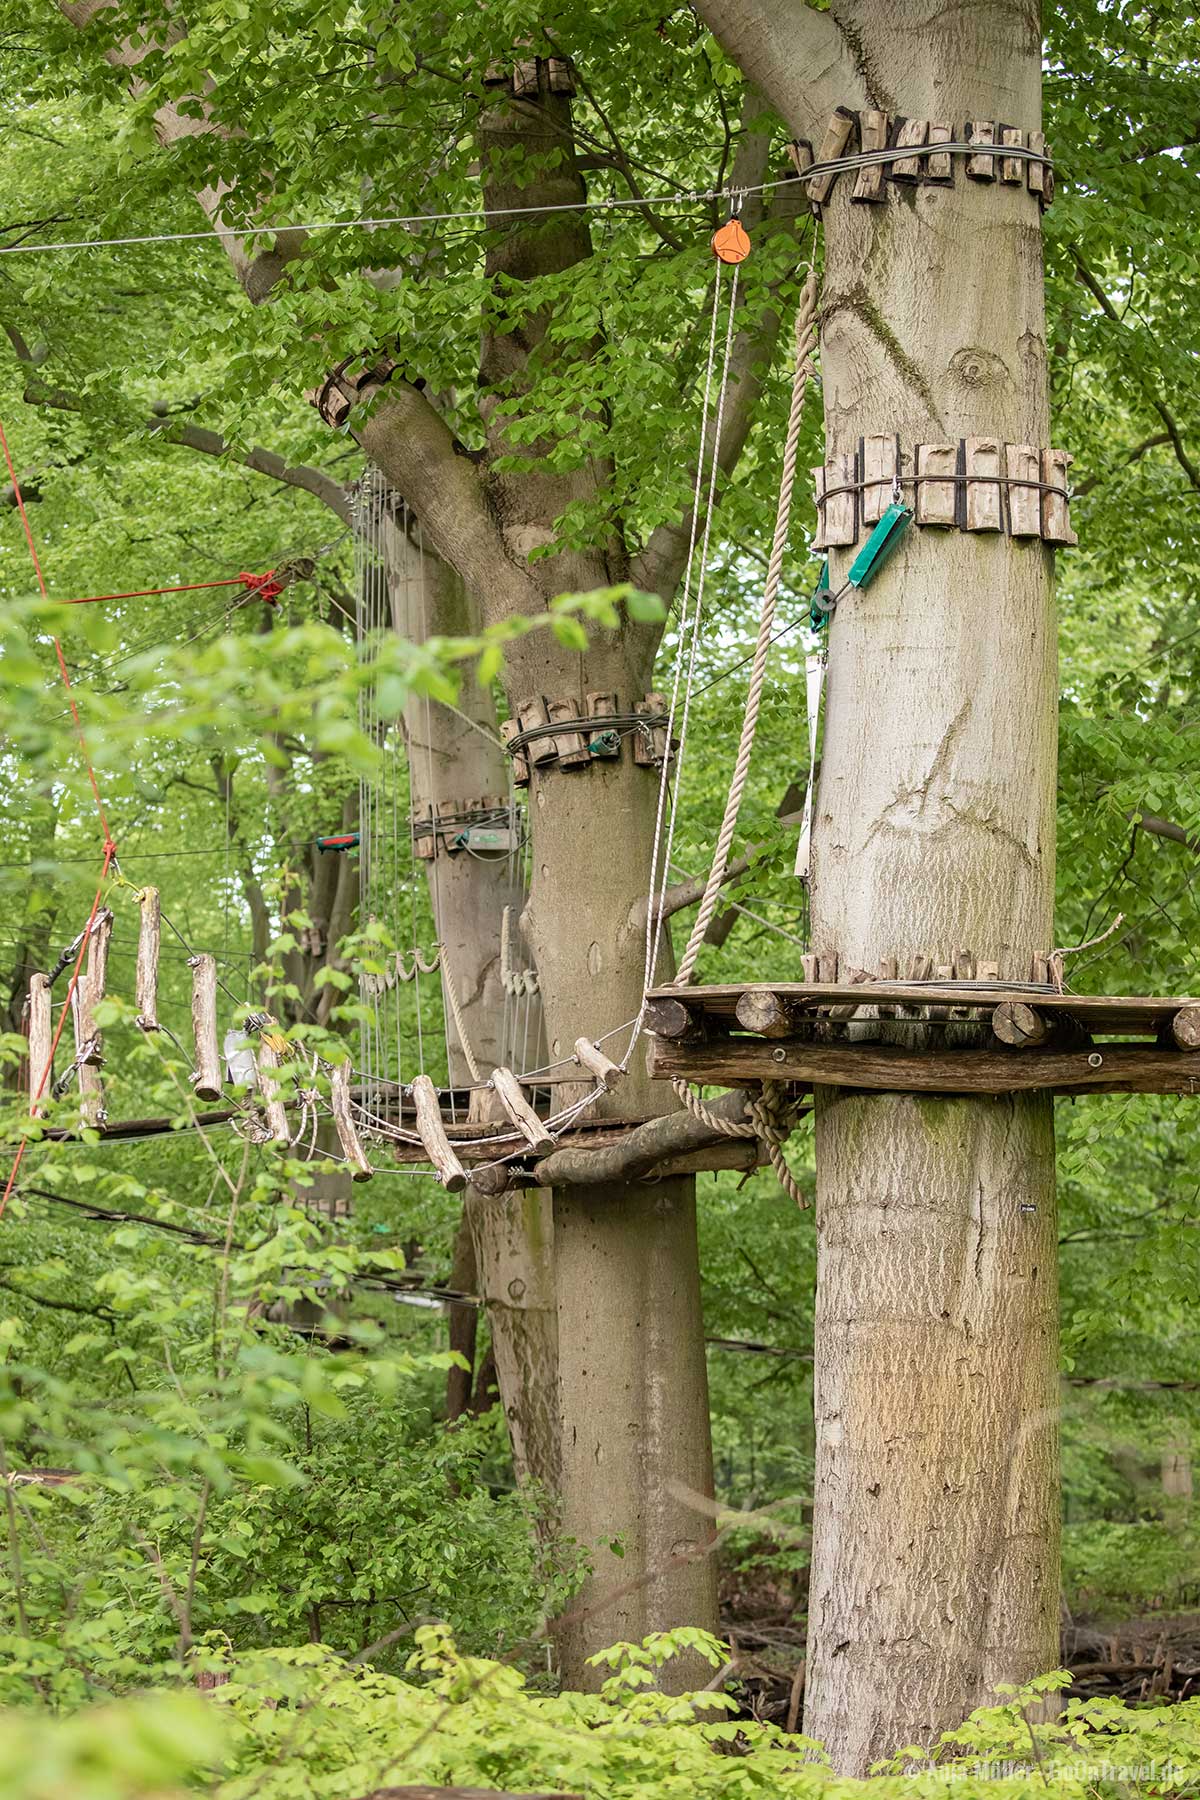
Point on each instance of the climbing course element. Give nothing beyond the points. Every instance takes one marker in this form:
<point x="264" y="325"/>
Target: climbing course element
<point x="880" y="147"/>
<point x="976" y="484"/>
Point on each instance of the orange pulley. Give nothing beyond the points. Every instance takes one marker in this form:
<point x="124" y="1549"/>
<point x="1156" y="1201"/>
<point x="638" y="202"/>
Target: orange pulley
<point x="731" y="242"/>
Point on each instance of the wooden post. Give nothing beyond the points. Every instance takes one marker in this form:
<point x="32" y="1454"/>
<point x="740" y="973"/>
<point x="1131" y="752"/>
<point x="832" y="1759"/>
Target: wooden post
<point x="1056" y="522"/>
<point x="1012" y="168"/>
<point x="531" y="714"/>
<point x="840" y="511"/>
<point x="40" y="1035"/>
<point x="881" y="456"/>
<point x="1185" y="1027"/>
<point x="985" y="510"/>
<point x="449" y="1170"/>
<point x="348" y="1138"/>
<point x="597" y="1064"/>
<point x="277" y="1122"/>
<point x="937" y="501"/>
<point x="207" y="1078"/>
<point x="1035" y="173"/>
<point x="1015" y="1023"/>
<point x="520" y="1113"/>
<point x="147" y="959"/>
<point x="88" y="1039"/>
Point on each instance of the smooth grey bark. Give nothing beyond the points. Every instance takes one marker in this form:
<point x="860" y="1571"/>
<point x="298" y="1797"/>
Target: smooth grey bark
<point x="935" y="1531"/>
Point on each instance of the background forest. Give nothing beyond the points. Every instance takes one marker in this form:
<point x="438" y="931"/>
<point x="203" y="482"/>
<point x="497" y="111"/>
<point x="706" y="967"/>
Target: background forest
<point x="246" y="1386"/>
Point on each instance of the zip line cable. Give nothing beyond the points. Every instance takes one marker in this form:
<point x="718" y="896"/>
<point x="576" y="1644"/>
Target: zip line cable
<point x="483" y="220"/>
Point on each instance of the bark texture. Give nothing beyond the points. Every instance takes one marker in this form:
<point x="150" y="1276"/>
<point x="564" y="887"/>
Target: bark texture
<point x="935" y="1519"/>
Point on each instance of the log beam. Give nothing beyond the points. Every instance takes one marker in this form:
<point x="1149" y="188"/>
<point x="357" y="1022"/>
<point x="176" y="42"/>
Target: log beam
<point x="207" y="1077"/>
<point x="149" y="932"/>
<point x="888" y="1068"/>
<point x="40" y="1038"/>
<point x="508" y="1090"/>
<point x="343" y="1119"/>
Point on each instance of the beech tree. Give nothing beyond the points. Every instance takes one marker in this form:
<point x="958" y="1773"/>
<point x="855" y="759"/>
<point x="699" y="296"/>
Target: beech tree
<point x="514" y="368"/>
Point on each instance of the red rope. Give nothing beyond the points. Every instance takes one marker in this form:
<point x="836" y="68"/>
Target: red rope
<point x="254" y="584"/>
<point x="109" y="847"/>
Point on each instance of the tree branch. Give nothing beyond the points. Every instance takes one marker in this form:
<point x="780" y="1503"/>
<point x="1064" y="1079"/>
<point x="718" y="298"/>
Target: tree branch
<point x="1131" y="457"/>
<point x="792" y="53"/>
<point x="687" y="893"/>
<point x="1165" y="828"/>
<point x="1089" y="281"/>
<point x="322" y="487"/>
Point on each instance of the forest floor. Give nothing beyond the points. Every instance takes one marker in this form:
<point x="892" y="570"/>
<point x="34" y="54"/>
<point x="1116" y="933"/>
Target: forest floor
<point x="1153" y="1658"/>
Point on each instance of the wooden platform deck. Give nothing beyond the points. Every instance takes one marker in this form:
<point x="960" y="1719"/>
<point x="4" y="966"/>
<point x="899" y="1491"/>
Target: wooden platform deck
<point x="926" y="1037"/>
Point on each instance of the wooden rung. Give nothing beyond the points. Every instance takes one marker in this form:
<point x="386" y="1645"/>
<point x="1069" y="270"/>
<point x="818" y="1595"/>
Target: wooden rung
<point x="939" y="164"/>
<point x="767" y="1014"/>
<point x="1012" y="168"/>
<point x="147" y="959"/>
<point x="611" y="1074"/>
<point x="207" y="1077"/>
<point x="40" y="1036"/>
<point x="837" y="135"/>
<point x="88" y="1038"/>
<point x="873" y="135"/>
<point x="911" y="131"/>
<point x="343" y="1119"/>
<point x="267" y="1061"/>
<point x="520" y="1113"/>
<point x="531" y="714"/>
<point x="981" y="131"/>
<point x="573" y="752"/>
<point x="438" y="1148"/>
<point x="520" y="762"/>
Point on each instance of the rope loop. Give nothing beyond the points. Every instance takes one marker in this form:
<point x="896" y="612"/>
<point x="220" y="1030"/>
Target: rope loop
<point x="773" y="1117"/>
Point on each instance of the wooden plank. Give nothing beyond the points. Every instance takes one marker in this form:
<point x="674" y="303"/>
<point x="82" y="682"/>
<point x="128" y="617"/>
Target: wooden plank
<point x="937" y="501"/>
<point x="985" y="507"/>
<point x="561" y="73"/>
<point x="939" y="164"/>
<point x="841" y="508"/>
<point x="438" y="1150"/>
<point x="833" y="145"/>
<point x="873" y="135"/>
<point x="1035" y="173"/>
<point x="888" y="1068"/>
<point x="1056" y="521"/>
<point x="1137" y="1013"/>
<point x="520" y="762"/>
<point x="593" y="1059"/>
<point x="146" y="978"/>
<point x="343" y="1119"/>
<point x="573" y="752"/>
<point x="40" y="1037"/>
<point x="1022" y="464"/>
<point x="1012" y="168"/>
<point x="800" y="155"/>
<point x="206" y="1079"/>
<point x="914" y="132"/>
<point x="525" y="79"/>
<point x="650" y="745"/>
<point x="880" y="465"/>
<point x="267" y="1061"/>
<point x="981" y="131"/>
<point x="520" y="1113"/>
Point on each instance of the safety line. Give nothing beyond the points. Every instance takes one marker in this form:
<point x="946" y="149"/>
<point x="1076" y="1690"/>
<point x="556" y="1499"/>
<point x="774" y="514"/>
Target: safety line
<point x="251" y="582"/>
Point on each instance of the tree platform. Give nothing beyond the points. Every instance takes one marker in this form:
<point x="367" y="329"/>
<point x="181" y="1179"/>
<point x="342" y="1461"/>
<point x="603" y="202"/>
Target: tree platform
<point x="925" y="1037"/>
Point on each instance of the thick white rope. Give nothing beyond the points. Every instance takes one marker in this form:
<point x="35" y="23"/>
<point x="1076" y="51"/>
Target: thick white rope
<point x="459" y="1021"/>
<point x="771" y="1117"/>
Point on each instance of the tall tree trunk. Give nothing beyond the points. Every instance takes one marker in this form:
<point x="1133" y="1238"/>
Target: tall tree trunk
<point x="455" y="755"/>
<point x="935" y="1530"/>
